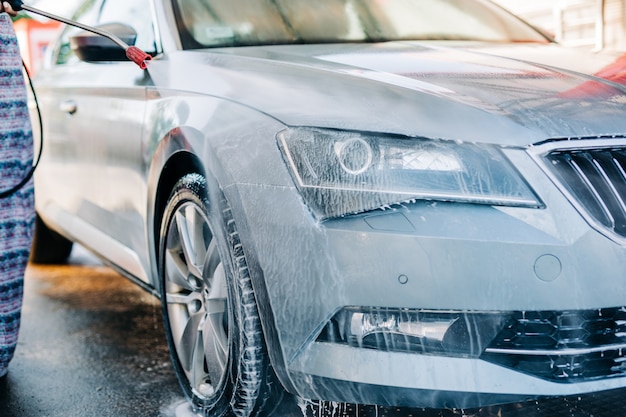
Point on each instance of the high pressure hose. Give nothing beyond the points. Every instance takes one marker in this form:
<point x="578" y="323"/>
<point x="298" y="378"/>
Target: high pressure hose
<point x="133" y="53"/>
<point x="9" y="192"/>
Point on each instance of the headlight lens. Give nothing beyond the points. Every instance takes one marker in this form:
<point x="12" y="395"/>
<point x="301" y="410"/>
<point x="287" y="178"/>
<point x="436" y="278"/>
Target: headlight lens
<point x="340" y="173"/>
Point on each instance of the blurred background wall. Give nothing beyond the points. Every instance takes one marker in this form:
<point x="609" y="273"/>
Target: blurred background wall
<point x="592" y="24"/>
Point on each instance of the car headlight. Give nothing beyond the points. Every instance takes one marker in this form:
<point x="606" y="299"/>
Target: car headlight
<point x="339" y="172"/>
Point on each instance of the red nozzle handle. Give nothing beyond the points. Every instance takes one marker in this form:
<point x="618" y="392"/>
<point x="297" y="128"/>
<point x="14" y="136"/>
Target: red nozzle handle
<point x="15" y="4"/>
<point x="138" y="56"/>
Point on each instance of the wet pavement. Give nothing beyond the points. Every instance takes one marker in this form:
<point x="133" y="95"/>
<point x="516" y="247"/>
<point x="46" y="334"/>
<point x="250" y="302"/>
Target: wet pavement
<point x="92" y="344"/>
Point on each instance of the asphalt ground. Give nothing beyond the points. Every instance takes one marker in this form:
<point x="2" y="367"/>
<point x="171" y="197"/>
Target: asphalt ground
<point x="92" y="344"/>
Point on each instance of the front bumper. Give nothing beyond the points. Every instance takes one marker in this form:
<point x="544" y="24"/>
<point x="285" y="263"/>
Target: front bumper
<point x="345" y="374"/>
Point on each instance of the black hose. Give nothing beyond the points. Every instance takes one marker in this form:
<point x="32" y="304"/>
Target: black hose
<point x="29" y="174"/>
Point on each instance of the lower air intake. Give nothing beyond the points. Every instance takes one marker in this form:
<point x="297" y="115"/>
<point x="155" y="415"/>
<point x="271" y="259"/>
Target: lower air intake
<point x="563" y="346"/>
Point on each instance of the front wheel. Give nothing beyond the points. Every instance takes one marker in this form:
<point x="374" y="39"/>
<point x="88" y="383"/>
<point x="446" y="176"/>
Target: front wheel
<point x="211" y="316"/>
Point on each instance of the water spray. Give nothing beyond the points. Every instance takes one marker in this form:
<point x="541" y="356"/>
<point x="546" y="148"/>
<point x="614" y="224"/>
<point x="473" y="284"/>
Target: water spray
<point x="133" y="53"/>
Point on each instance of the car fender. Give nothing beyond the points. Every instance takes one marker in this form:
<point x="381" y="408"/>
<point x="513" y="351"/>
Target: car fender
<point x="186" y="149"/>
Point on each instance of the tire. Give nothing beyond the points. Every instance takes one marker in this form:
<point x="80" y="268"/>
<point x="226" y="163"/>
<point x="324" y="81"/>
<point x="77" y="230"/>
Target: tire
<point x="49" y="247"/>
<point x="211" y="317"/>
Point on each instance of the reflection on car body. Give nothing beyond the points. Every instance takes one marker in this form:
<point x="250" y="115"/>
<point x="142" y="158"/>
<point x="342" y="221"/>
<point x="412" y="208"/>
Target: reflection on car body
<point x="410" y="203"/>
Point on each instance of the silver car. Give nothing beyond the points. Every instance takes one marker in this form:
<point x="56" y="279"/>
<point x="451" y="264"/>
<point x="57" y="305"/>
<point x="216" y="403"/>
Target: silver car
<point x="414" y="203"/>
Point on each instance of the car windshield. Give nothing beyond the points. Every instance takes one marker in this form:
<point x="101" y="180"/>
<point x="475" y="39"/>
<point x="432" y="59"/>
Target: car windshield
<point x="216" y="23"/>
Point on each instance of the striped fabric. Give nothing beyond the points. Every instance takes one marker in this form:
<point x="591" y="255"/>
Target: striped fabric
<point x="17" y="210"/>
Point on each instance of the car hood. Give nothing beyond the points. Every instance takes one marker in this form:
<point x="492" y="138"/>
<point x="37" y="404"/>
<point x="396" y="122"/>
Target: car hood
<point x="511" y="95"/>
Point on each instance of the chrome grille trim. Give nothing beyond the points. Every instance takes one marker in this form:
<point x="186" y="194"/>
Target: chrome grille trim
<point x="591" y="173"/>
<point x="594" y="191"/>
<point x="611" y="185"/>
<point x="559" y="352"/>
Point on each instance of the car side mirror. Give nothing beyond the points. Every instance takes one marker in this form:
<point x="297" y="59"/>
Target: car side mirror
<point x="92" y="47"/>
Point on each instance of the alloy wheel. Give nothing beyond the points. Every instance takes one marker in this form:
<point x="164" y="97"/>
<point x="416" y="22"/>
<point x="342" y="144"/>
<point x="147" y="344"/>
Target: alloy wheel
<point x="196" y="296"/>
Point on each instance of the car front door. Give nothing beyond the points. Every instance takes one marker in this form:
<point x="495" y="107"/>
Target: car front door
<point x="91" y="182"/>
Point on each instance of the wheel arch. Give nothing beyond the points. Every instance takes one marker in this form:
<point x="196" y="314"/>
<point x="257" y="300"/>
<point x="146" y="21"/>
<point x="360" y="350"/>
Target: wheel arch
<point x="174" y="159"/>
<point x="180" y="164"/>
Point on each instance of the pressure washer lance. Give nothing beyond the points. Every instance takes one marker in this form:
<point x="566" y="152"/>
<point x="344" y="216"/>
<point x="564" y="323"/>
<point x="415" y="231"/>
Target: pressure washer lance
<point x="133" y="53"/>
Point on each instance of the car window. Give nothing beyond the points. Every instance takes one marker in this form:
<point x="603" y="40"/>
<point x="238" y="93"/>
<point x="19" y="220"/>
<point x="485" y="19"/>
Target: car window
<point x="87" y="13"/>
<point x="206" y="23"/>
<point x="135" y="13"/>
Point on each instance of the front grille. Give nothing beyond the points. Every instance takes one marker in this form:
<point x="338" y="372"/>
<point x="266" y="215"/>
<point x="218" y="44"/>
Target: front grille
<point x="563" y="346"/>
<point x="595" y="178"/>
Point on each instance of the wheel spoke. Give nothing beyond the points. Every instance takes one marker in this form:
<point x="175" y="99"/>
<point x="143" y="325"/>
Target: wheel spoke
<point x="192" y="240"/>
<point x="176" y="270"/>
<point x="182" y="298"/>
<point x="214" y="330"/>
<point x="200" y="235"/>
<point x="198" y="375"/>
<point x="215" y="341"/>
<point x="213" y="259"/>
<point x="216" y="299"/>
<point x="221" y="338"/>
<point x="190" y="343"/>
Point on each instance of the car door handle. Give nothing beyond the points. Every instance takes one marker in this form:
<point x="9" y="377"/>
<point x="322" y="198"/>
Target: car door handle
<point x="68" y="106"/>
